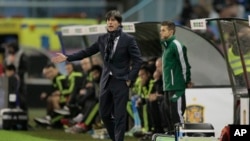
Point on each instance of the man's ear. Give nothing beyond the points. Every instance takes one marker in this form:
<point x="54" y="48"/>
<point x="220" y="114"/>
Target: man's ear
<point x="172" y="32"/>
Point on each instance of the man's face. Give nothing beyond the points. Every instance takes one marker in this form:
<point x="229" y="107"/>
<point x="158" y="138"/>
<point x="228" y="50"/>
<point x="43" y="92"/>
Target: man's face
<point x="50" y="73"/>
<point x="165" y="33"/>
<point x="157" y="75"/>
<point x="158" y="65"/>
<point x="46" y="73"/>
<point x="86" y="64"/>
<point x="69" y="68"/>
<point x="96" y="75"/>
<point x="11" y="50"/>
<point x="112" y="24"/>
<point x="144" y="77"/>
<point x="9" y="73"/>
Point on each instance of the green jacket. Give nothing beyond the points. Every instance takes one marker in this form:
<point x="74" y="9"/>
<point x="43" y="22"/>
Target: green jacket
<point x="58" y="82"/>
<point x="175" y="65"/>
<point x="72" y="80"/>
<point x="143" y="91"/>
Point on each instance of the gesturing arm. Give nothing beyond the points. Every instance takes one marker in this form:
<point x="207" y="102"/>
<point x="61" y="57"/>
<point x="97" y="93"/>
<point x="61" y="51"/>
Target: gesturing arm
<point x="59" y="58"/>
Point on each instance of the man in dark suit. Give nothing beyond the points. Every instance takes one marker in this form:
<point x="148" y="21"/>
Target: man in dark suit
<point x="122" y="61"/>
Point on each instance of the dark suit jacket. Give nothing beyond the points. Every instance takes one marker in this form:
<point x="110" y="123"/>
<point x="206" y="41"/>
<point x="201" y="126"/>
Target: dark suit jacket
<point x="126" y="60"/>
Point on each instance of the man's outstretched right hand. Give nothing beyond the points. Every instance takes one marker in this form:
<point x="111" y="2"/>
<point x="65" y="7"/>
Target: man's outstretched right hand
<point x="59" y="58"/>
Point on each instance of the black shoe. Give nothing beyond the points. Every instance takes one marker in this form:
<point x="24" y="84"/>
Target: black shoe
<point x="146" y="137"/>
<point x="139" y="134"/>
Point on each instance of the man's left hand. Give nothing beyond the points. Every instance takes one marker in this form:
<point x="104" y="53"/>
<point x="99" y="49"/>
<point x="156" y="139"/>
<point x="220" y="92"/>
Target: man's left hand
<point x="128" y="82"/>
<point x="190" y="84"/>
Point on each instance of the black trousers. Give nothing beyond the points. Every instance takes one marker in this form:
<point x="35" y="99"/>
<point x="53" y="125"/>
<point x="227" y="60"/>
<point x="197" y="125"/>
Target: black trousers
<point x="113" y="101"/>
<point x="156" y="116"/>
<point x="173" y="111"/>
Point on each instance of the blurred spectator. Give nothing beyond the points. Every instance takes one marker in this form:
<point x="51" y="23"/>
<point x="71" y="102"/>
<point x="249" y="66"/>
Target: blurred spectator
<point x="199" y="12"/>
<point x="83" y="121"/>
<point x="72" y="84"/>
<point x="240" y="9"/>
<point x="97" y="60"/>
<point x="53" y="97"/>
<point x="234" y="55"/>
<point x="11" y="50"/>
<point x="196" y="9"/>
<point x="86" y="65"/>
<point x="15" y="57"/>
<point x="229" y="8"/>
<point x="155" y="99"/>
<point x="186" y="13"/>
<point x="13" y="86"/>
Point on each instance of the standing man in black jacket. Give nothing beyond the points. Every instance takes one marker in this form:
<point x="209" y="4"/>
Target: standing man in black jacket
<point x="13" y="86"/>
<point x="122" y="61"/>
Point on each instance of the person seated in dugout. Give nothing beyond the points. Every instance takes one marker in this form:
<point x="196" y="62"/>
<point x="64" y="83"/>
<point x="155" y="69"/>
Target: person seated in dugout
<point x="144" y="88"/>
<point x="155" y="99"/>
<point x="81" y="93"/>
<point x="52" y="97"/>
<point x="72" y="84"/>
<point x="88" y="104"/>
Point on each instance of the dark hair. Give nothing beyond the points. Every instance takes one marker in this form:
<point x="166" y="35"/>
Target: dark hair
<point x="96" y="68"/>
<point x="14" y="46"/>
<point x="72" y="64"/>
<point x="169" y="24"/>
<point x="147" y="69"/>
<point x="11" y="67"/>
<point x="49" y="65"/>
<point x="116" y="14"/>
